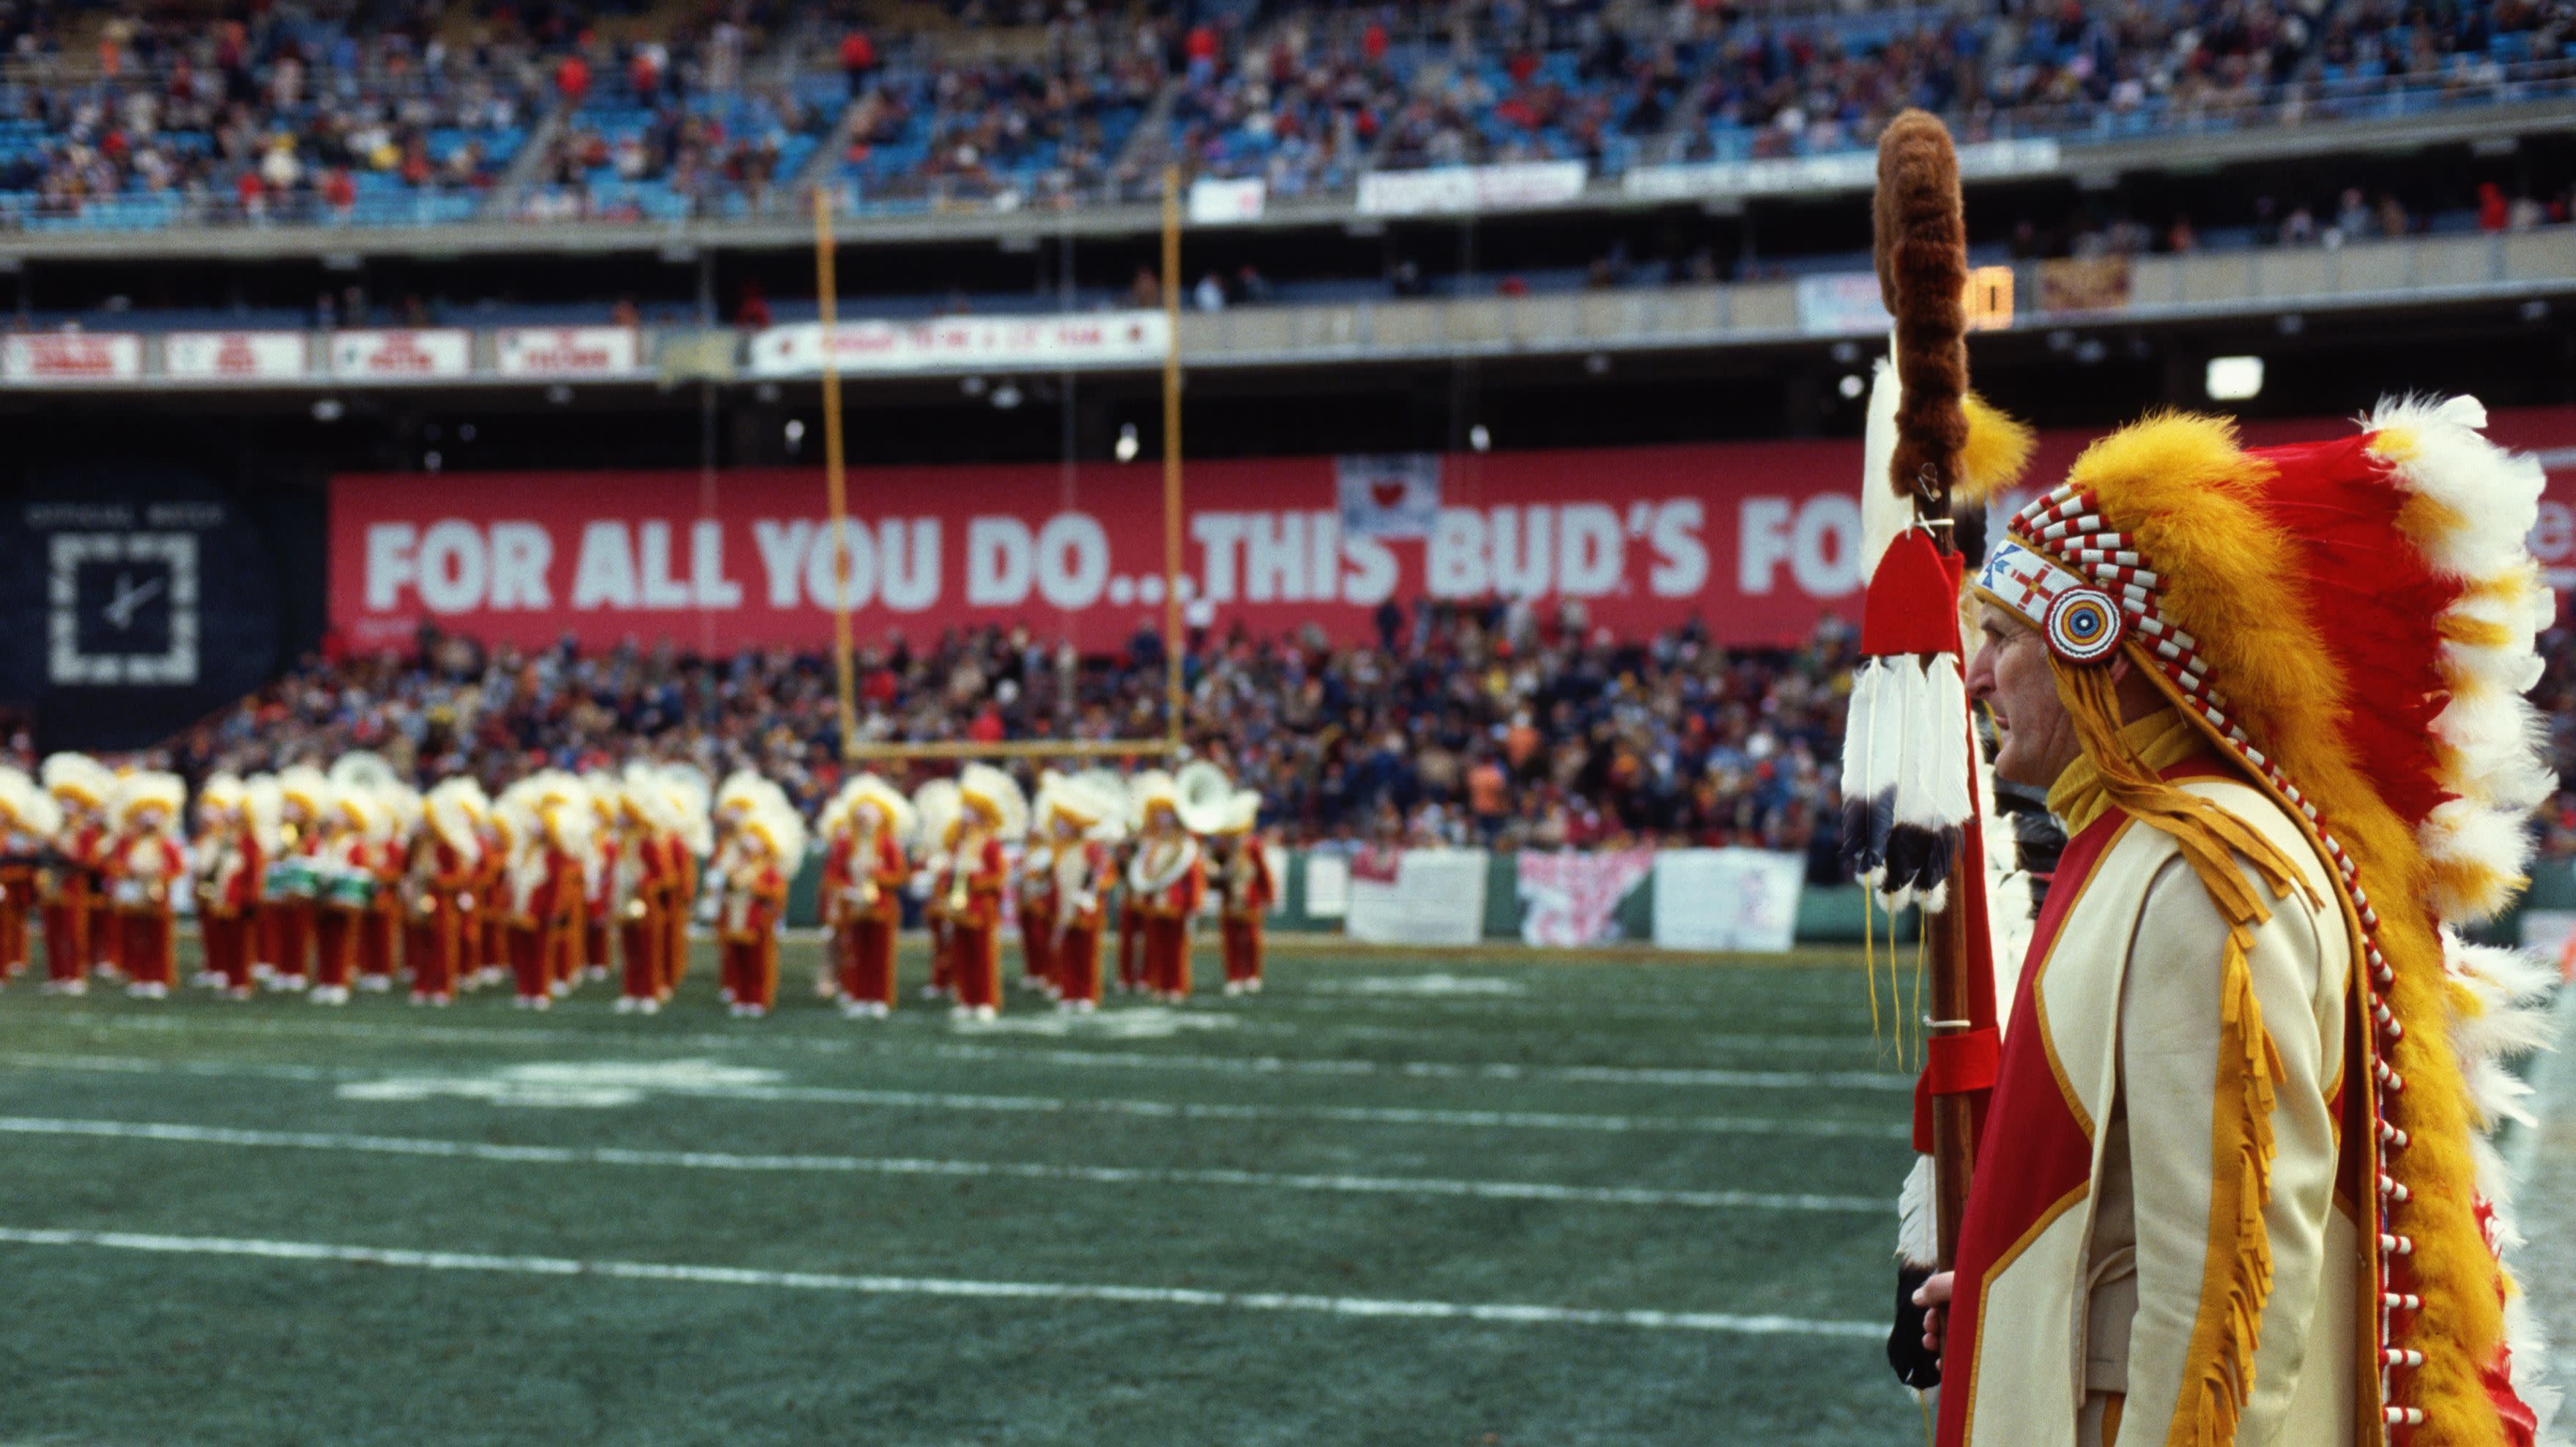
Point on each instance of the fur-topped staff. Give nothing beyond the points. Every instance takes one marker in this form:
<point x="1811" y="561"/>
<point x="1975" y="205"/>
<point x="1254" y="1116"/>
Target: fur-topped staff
<point x="1911" y="791"/>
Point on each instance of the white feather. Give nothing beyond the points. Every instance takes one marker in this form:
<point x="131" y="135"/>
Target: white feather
<point x="1883" y="511"/>
<point x="1918" y="1236"/>
<point x="2494" y="493"/>
<point x="1947" y="739"/>
<point x="2461" y="832"/>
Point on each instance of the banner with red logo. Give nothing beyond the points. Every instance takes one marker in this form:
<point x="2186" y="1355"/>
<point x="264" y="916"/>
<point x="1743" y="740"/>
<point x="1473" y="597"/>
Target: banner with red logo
<point x="1755" y="540"/>
<point x="236" y="356"/>
<point x="439" y="352"/>
<point x="75" y="357"/>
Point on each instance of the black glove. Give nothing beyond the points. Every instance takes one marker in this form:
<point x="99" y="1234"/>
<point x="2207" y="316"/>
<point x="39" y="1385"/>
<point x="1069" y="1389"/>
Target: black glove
<point x="1916" y="1365"/>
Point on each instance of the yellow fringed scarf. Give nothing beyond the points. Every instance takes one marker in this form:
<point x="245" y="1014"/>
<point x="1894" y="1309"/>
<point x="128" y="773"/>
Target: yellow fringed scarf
<point x="2120" y="768"/>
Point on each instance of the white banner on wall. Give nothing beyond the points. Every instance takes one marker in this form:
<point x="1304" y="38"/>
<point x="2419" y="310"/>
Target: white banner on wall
<point x="1727" y="899"/>
<point x="440" y="352"/>
<point x="566" y="351"/>
<point x="237" y="356"/>
<point x="1839" y="170"/>
<point x="1215" y="201"/>
<point x="1436" y="897"/>
<point x="1328" y="886"/>
<point x="965" y="344"/>
<point x="60" y="357"/>
<point x="1570" y="897"/>
<point x="1470" y="188"/>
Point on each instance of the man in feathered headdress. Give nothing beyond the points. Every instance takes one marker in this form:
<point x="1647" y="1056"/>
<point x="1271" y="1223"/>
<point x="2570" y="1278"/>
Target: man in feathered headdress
<point x="2232" y="1187"/>
<point x="1167" y="878"/>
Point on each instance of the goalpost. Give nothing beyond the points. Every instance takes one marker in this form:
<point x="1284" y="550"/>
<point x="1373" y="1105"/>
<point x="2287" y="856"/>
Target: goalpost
<point x="836" y="498"/>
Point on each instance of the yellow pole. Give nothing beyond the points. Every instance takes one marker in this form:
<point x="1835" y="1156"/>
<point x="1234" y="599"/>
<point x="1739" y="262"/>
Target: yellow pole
<point x="835" y="485"/>
<point x="1172" y="637"/>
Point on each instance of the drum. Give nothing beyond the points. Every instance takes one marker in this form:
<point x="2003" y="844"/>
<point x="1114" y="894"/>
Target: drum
<point x="349" y="891"/>
<point x="292" y="879"/>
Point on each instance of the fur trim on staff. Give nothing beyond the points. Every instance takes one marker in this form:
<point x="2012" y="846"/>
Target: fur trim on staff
<point x="1922" y="258"/>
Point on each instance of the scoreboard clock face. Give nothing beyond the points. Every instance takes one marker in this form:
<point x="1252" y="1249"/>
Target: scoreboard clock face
<point x="123" y="609"/>
<point x="137" y="599"/>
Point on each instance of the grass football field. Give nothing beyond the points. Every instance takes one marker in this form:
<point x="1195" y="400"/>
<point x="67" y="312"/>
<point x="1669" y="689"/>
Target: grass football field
<point x="1482" y="1199"/>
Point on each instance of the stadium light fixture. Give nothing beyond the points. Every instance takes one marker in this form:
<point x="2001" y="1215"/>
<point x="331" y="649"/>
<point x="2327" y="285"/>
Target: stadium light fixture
<point x="795" y="434"/>
<point x="1007" y="396"/>
<point x="1480" y="439"/>
<point x="1851" y="386"/>
<point x="329" y="409"/>
<point x="1125" y="451"/>
<point x="2234" y="379"/>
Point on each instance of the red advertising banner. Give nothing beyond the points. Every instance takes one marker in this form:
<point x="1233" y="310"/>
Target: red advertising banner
<point x="1756" y="540"/>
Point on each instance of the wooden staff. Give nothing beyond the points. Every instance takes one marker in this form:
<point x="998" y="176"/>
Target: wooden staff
<point x="1922" y="258"/>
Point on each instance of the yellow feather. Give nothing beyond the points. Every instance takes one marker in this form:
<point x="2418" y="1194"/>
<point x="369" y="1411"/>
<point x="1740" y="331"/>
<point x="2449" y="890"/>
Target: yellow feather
<point x="1997" y="450"/>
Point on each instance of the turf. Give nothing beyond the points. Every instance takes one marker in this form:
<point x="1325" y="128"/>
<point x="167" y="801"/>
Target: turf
<point x="1386" y="1128"/>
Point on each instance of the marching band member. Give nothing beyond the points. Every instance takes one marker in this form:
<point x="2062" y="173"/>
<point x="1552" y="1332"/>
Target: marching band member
<point x="145" y="871"/>
<point x="266" y="806"/>
<point x="1036" y="885"/>
<point x="378" y="857"/>
<point x="768" y="843"/>
<point x="440" y="867"/>
<point x="837" y="895"/>
<point x="551" y="829"/>
<point x="351" y="835"/>
<point x="27" y="819"/>
<point x="380" y="932"/>
<point x="1082" y="817"/>
<point x="1131" y="923"/>
<point x="690" y="837"/>
<point x="991" y="809"/>
<point x="640" y="864"/>
<point x="607" y="800"/>
<point x="290" y="913"/>
<point x="878" y="817"/>
<point x="1244" y="890"/>
<point x="936" y="805"/>
<point x="80" y="787"/>
<point x="1168" y="879"/>
<point x="489" y="915"/>
<point x="229" y="861"/>
<point x="742" y="795"/>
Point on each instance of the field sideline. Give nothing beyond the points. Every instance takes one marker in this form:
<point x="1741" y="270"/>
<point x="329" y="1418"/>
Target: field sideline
<point x="1397" y="1198"/>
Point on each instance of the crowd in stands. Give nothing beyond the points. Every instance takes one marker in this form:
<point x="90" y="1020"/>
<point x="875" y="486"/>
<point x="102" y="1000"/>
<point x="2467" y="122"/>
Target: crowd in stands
<point x="1488" y="723"/>
<point x="338" y="112"/>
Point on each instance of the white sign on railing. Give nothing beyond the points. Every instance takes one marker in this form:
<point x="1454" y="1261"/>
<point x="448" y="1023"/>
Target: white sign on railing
<point x="1727" y="899"/>
<point x="965" y="344"/>
<point x="566" y="351"/>
<point x="236" y="356"/>
<point x="73" y="357"/>
<point x="1842" y="170"/>
<point x="396" y="355"/>
<point x="1216" y="202"/>
<point x="1470" y="188"/>
<point x="1434" y="897"/>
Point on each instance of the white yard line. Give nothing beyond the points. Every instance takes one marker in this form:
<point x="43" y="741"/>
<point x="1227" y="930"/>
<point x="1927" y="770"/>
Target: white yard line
<point x="932" y="1286"/>
<point x="751" y="1037"/>
<point x="1085" y="1105"/>
<point x="169" y="1133"/>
